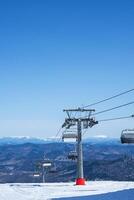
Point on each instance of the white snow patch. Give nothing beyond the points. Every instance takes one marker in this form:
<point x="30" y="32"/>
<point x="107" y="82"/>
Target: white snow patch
<point x="100" y="136"/>
<point x="94" y="190"/>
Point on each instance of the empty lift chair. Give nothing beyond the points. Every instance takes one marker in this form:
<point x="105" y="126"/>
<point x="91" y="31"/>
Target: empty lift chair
<point x="69" y="135"/>
<point x="127" y="136"/>
<point x="53" y="169"/>
<point x="72" y="155"/>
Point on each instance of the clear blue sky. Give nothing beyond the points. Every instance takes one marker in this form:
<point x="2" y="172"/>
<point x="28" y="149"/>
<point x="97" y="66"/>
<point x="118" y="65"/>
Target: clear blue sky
<point x="57" y="54"/>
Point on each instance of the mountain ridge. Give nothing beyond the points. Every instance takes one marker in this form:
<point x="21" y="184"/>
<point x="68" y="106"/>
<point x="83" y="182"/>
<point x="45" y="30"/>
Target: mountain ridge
<point x="38" y="140"/>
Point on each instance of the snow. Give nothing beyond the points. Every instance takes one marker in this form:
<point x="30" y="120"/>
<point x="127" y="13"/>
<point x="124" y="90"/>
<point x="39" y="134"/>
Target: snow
<point x="94" y="190"/>
<point x="100" y="136"/>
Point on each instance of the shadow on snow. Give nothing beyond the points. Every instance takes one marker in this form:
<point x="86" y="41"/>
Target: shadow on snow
<point x="119" y="195"/>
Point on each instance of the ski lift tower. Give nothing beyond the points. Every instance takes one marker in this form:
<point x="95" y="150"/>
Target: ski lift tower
<point x="81" y="123"/>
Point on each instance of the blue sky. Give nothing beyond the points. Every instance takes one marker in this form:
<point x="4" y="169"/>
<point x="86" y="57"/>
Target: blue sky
<point x="61" y="54"/>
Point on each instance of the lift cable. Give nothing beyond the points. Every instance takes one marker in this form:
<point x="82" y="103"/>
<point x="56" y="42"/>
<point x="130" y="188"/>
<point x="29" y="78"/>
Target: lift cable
<point x="112" y="97"/>
<point x="58" y="132"/>
<point x="120" y="106"/>
<point x="111" y="119"/>
<point x="84" y="132"/>
<point x="117" y="118"/>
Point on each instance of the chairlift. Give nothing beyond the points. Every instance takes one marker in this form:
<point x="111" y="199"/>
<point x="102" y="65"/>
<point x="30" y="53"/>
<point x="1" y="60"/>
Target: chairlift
<point x="72" y="155"/>
<point x="85" y="124"/>
<point x="69" y="136"/>
<point x="36" y="174"/>
<point x="46" y="162"/>
<point x="53" y="169"/>
<point x="127" y="136"/>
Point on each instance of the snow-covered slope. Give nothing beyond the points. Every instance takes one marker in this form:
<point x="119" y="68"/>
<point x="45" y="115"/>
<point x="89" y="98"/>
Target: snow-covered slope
<point x="97" y="190"/>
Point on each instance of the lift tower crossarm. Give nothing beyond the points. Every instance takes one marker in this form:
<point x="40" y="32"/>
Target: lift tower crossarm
<point x="79" y="110"/>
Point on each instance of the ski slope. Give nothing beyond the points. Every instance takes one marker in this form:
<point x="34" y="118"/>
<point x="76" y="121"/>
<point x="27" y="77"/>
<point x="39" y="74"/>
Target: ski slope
<point x="94" y="190"/>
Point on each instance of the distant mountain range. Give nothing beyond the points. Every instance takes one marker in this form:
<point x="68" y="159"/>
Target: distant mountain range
<point x="104" y="159"/>
<point x="33" y="140"/>
<point x="24" y="139"/>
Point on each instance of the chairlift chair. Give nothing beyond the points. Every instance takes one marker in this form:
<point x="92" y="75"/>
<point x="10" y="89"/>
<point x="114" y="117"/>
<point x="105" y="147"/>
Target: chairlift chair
<point x="36" y="174"/>
<point x="85" y="124"/>
<point x="53" y="169"/>
<point x="69" y="136"/>
<point x="46" y="162"/>
<point x="127" y="136"/>
<point x="72" y="155"/>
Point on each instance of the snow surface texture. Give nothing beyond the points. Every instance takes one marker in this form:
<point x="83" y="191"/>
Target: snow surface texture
<point x="97" y="190"/>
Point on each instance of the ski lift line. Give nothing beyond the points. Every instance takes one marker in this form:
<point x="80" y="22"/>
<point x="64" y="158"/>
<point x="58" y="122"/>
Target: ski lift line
<point x="84" y="132"/>
<point x="114" y="108"/>
<point x="111" y="119"/>
<point x="60" y="138"/>
<point x="103" y="120"/>
<point x="58" y="132"/>
<point x="112" y="97"/>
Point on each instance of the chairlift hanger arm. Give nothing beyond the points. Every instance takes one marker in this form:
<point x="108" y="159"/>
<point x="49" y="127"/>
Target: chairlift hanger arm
<point x="68" y="114"/>
<point x="89" y="114"/>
